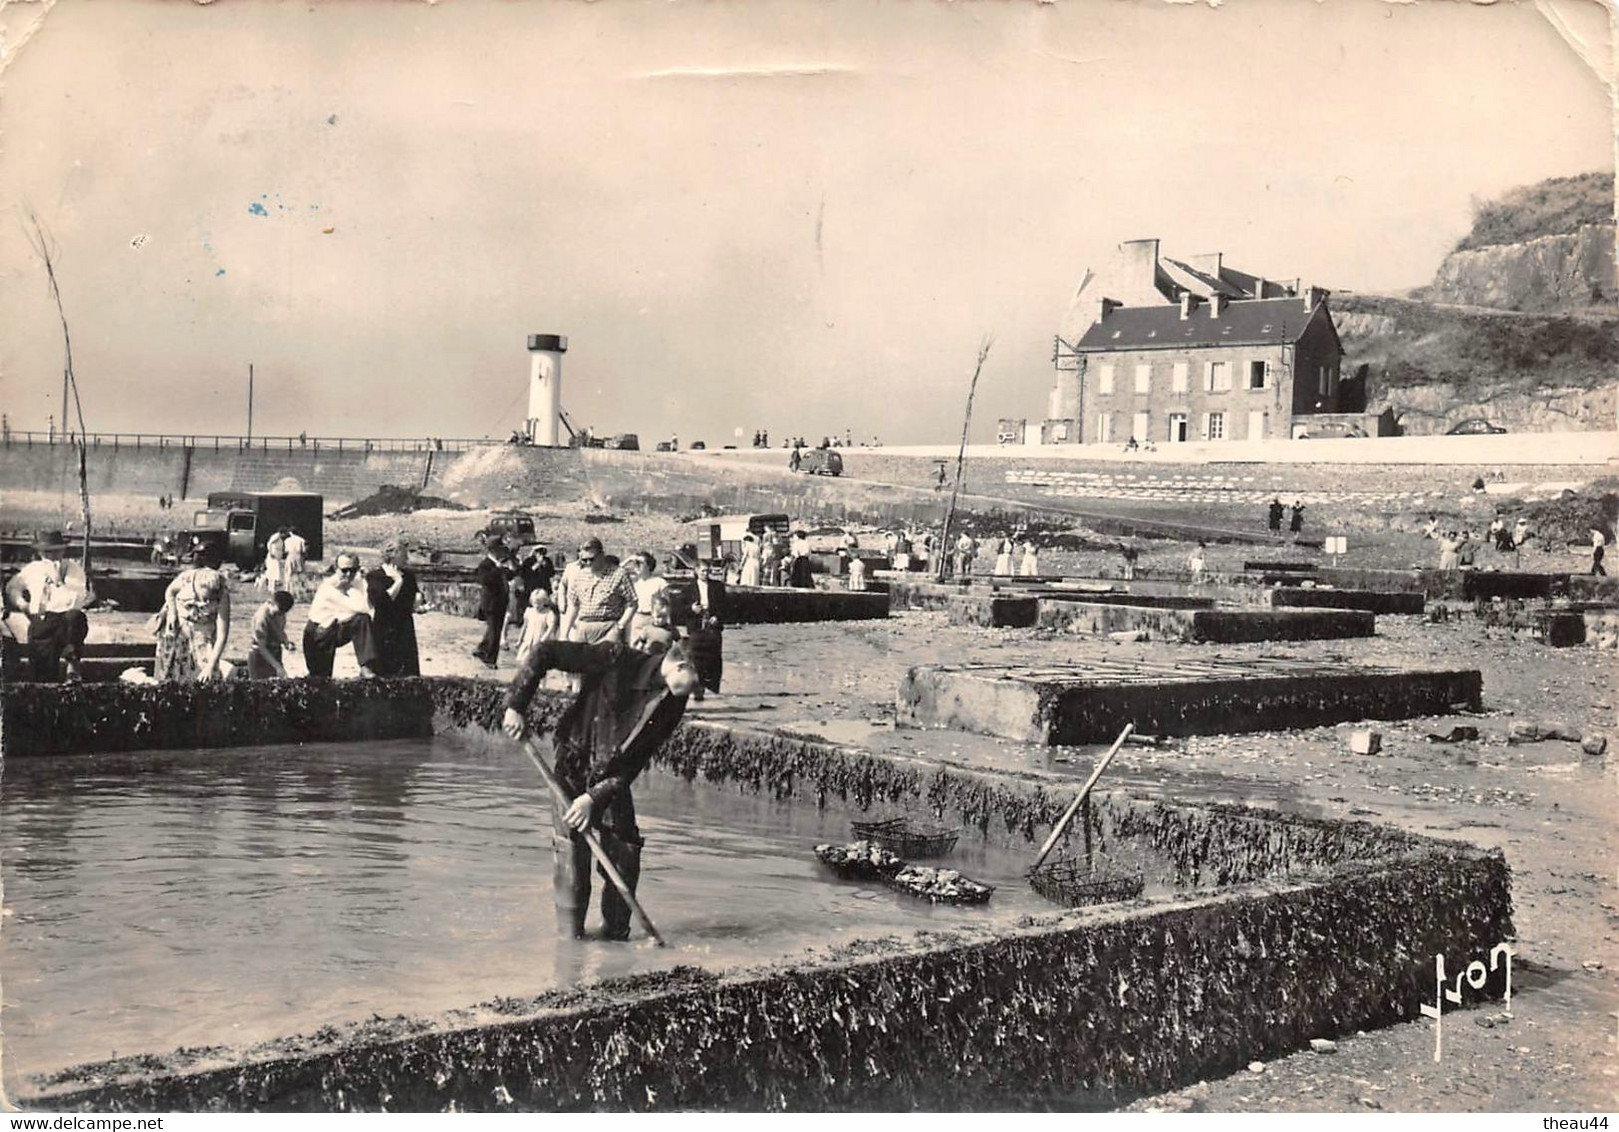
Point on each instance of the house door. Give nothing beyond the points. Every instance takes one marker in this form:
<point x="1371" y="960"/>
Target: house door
<point x="1177" y="428"/>
<point x="1138" y="426"/>
<point x="1256" y="424"/>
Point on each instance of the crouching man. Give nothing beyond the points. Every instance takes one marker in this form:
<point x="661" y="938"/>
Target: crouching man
<point x="52" y="591"/>
<point x="340" y="614"/>
<point x="628" y="704"/>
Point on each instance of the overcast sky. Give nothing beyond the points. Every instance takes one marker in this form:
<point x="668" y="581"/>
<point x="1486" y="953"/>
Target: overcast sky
<point x="793" y="216"/>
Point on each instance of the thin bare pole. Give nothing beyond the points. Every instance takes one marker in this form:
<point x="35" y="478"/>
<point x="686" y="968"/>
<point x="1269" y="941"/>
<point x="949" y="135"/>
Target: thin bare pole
<point x="961" y="458"/>
<point x="43" y="248"/>
<point x="250" y="403"/>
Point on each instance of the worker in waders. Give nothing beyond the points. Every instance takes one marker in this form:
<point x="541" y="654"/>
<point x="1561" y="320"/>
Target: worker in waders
<point x="630" y="702"/>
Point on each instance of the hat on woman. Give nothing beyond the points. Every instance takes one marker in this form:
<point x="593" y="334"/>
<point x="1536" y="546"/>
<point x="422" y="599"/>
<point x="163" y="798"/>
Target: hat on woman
<point x="49" y="541"/>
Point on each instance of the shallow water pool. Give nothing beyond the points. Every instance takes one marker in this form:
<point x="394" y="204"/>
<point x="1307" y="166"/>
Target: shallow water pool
<point x="161" y="900"/>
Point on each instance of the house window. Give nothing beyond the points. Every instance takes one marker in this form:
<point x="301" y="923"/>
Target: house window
<point x="1104" y="428"/>
<point x="1323" y="386"/>
<point x="1179" y="381"/>
<point x="1216" y="426"/>
<point x="1140" y="426"/>
<point x="1217" y="377"/>
<point x="1144" y="379"/>
<point x="1256" y="375"/>
<point x="1104" y="379"/>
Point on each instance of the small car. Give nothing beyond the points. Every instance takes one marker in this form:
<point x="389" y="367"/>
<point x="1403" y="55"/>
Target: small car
<point x="820" y="462"/>
<point x="513" y="526"/>
<point x="697" y="446"/>
<point x="1474" y="426"/>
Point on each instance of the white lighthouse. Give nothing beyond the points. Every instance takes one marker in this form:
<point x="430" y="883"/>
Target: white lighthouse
<point x="545" y="388"/>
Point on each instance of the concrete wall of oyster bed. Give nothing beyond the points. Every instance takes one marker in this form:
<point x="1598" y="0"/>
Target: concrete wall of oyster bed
<point x="1088" y="1008"/>
<point x="1219" y="626"/>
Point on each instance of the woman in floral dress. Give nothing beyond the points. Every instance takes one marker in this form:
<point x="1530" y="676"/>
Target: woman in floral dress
<point x="194" y="625"/>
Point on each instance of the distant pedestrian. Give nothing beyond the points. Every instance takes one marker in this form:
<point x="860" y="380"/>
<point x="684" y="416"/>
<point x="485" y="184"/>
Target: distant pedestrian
<point x="1449" y="545"/>
<point x="751" y="560"/>
<point x="1499" y="536"/>
<point x="274" y="576"/>
<point x="854" y="570"/>
<point x="1273" y="516"/>
<point x="1197" y="563"/>
<point x="297" y="560"/>
<point x="1599" y="542"/>
<point x="1296" y="522"/>
<point x="771" y="555"/>
<point x="966" y="551"/>
<point x="1030" y="566"/>
<point x="1130" y="554"/>
<point x="265" y="658"/>
<point x="492" y="574"/>
<point x="794" y="460"/>
<point x="1520" y="533"/>
<point x="1467" y="552"/>
<point x="1003" y="557"/>
<point x="798" y="563"/>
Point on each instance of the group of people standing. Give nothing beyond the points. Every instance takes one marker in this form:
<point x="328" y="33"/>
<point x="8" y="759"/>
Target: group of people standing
<point x="1295" y="518"/>
<point x="371" y="610"/>
<point x="595" y="598"/>
<point x="286" y="554"/>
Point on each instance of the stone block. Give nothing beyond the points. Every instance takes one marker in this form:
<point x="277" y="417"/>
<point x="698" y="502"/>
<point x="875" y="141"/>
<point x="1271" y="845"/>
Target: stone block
<point x="1365" y="742"/>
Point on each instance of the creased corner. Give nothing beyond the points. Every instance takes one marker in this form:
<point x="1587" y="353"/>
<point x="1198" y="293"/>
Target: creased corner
<point x="20" y="21"/>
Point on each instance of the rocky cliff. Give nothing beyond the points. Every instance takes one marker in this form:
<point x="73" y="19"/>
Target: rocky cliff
<point x="1551" y="273"/>
<point x="1436" y="365"/>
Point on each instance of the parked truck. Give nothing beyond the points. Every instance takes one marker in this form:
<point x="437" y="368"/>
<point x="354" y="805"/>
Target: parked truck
<point x="242" y="522"/>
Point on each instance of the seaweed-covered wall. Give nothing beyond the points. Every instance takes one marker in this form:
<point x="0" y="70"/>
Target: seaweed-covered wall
<point x="1090" y="1011"/>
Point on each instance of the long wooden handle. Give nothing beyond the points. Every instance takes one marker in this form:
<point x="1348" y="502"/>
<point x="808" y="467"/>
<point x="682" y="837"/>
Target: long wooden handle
<point x="594" y="843"/>
<point x="1068" y="814"/>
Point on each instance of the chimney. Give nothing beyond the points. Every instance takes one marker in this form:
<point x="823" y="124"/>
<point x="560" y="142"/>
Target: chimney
<point x="1259" y="287"/>
<point x="1313" y="297"/>
<point x="1217" y="303"/>
<point x="1105" y="307"/>
<point x="1140" y="272"/>
<point x="1188" y="301"/>
<point x="1209" y="263"/>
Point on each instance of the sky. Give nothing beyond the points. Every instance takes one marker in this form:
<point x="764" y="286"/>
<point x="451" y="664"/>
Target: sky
<point x="797" y="216"/>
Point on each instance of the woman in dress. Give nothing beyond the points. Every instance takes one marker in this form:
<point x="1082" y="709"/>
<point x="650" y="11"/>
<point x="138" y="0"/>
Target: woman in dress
<point x="194" y="625"/>
<point x="750" y="560"/>
<point x="1030" y="566"/>
<point x="392" y="589"/>
<point x="798" y="569"/>
<point x="1003" y="557"/>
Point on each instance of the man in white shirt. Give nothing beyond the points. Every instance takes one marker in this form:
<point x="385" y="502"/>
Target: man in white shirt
<point x="53" y="592"/>
<point x="339" y="615"/>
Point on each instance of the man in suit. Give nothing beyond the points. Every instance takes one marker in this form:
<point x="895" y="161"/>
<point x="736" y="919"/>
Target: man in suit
<point x="493" y="574"/>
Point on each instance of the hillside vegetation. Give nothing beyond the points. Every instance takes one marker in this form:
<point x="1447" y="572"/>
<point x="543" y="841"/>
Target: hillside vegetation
<point x="1434" y="365"/>
<point x="1555" y="207"/>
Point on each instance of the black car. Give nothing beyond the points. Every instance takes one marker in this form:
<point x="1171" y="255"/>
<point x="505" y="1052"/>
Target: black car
<point x="1474" y="426"/>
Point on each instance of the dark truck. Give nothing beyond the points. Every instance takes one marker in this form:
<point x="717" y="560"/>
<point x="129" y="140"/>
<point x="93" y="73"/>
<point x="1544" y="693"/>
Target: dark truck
<point x="242" y="522"/>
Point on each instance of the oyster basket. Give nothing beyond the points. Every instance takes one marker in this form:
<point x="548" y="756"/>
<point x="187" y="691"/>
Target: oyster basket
<point x="967" y="891"/>
<point x="1071" y="883"/>
<point x="908" y="839"/>
<point x="837" y="858"/>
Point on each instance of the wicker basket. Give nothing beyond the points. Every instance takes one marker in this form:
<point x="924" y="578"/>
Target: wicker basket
<point x="918" y="882"/>
<point x="907" y="838"/>
<point x="1071" y="883"/>
<point x="849" y="863"/>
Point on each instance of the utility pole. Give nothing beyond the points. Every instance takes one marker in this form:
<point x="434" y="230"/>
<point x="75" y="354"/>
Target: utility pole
<point x="250" y="402"/>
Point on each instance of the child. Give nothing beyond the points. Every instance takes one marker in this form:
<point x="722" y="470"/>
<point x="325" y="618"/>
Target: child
<point x="269" y="638"/>
<point x="857" y="573"/>
<point x="539" y="622"/>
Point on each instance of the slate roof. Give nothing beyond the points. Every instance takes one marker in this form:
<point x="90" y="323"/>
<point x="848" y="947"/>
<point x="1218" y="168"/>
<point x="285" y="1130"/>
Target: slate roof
<point x="1243" y="323"/>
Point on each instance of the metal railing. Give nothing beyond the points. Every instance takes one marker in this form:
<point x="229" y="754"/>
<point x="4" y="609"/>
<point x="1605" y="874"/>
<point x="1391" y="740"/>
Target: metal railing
<point x="223" y="443"/>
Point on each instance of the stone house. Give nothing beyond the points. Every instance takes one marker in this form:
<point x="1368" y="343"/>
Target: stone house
<point x="1220" y="355"/>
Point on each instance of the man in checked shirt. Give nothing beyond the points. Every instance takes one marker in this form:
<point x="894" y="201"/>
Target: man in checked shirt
<point x="631" y="701"/>
<point x="601" y="599"/>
